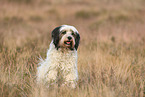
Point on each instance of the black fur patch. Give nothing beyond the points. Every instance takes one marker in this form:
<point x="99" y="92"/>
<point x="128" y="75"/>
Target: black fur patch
<point x="77" y="41"/>
<point x="55" y="36"/>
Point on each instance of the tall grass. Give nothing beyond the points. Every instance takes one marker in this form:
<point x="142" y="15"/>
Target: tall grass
<point x="111" y="55"/>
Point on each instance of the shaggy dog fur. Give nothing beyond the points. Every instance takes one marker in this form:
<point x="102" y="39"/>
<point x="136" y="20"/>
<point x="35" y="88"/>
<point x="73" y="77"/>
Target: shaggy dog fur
<point x="60" y="65"/>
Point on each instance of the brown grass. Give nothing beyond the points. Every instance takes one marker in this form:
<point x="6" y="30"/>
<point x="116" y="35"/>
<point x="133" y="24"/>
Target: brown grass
<point x="111" y="54"/>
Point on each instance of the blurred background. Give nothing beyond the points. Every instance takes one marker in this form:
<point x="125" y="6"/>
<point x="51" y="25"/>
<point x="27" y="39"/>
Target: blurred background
<point x="111" y="52"/>
<point x="95" y="19"/>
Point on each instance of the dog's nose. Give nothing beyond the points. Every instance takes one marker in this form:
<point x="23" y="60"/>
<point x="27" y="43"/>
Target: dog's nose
<point x="69" y="37"/>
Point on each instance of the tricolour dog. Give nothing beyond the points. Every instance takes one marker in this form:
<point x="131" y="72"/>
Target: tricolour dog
<point x="61" y="60"/>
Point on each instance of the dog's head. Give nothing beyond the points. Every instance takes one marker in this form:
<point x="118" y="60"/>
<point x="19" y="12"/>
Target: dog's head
<point x="66" y="36"/>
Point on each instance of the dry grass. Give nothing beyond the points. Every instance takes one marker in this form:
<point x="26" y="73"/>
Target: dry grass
<point x="111" y="59"/>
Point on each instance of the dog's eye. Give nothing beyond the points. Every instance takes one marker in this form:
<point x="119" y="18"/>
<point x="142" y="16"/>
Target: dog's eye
<point x="73" y="34"/>
<point x="64" y="32"/>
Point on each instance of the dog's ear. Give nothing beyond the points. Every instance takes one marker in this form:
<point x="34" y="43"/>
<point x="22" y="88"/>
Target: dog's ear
<point x="77" y="41"/>
<point x="55" y="36"/>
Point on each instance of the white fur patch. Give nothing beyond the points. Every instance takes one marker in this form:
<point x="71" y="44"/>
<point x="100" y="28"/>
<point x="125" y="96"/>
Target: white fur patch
<point x="67" y="27"/>
<point x="64" y="60"/>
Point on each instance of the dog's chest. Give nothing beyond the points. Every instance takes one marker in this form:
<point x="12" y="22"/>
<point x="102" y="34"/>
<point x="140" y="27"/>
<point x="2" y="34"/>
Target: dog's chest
<point x="66" y="58"/>
<point x="63" y="60"/>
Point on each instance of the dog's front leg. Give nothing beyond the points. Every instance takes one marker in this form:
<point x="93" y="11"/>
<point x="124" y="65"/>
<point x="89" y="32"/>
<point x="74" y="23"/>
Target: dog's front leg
<point x="71" y="79"/>
<point x="51" y="77"/>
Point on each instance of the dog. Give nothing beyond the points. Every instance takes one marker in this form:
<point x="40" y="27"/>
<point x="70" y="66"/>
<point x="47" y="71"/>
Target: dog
<point x="61" y="60"/>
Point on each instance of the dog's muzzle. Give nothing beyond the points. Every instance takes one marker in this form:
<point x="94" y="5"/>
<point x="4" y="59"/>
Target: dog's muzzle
<point x="69" y="41"/>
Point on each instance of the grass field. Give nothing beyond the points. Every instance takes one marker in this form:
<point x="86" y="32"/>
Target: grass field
<point x="111" y="55"/>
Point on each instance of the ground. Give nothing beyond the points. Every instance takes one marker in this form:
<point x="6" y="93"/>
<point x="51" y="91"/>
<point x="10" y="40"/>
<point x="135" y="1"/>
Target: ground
<point x="111" y="55"/>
